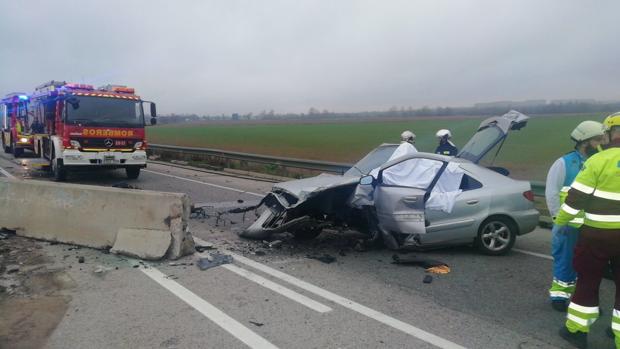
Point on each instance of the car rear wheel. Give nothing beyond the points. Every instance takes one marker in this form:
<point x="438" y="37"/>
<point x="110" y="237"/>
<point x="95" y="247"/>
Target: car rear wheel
<point x="496" y="236"/>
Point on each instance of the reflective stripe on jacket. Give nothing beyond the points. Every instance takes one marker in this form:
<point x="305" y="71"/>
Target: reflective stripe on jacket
<point x="596" y="191"/>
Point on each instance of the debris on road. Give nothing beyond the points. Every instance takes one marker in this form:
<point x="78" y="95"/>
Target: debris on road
<point x="100" y="269"/>
<point x="203" y="247"/>
<point x="125" y="185"/>
<point x="198" y="212"/>
<point x="258" y="324"/>
<point x="325" y="258"/>
<point x="175" y="264"/>
<point x="6" y="233"/>
<point x="275" y="244"/>
<point x="81" y="259"/>
<point x="431" y="265"/>
<point x="427" y="279"/>
<point x="10" y="269"/>
<point x="213" y="260"/>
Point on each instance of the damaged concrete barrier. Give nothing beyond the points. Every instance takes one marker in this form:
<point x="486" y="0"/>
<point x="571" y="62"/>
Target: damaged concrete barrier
<point x="140" y="223"/>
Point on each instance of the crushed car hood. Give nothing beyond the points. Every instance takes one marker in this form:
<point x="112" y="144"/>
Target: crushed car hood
<point x="305" y="188"/>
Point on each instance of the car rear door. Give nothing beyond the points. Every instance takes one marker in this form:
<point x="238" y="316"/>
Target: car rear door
<point x="401" y="192"/>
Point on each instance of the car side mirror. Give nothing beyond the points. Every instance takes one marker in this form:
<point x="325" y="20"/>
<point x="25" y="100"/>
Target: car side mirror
<point x="367" y="180"/>
<point x="153" y="121"/>
<point x="153" y="111"/>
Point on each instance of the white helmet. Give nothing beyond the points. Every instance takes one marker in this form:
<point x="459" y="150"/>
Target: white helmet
<point x="443" y="133"/>
<point x="407" y="136"/>
<point x="587" y="130"/>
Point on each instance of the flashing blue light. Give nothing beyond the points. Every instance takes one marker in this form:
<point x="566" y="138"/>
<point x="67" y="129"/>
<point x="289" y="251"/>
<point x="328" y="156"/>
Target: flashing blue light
<point x="23" y="97"/>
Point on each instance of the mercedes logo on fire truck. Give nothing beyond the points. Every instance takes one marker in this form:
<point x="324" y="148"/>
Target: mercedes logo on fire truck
<point x="108" y="143"/>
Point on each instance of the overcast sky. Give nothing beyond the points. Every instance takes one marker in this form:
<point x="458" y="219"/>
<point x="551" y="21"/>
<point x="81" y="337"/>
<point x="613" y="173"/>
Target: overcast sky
<point x="212" y="57"/>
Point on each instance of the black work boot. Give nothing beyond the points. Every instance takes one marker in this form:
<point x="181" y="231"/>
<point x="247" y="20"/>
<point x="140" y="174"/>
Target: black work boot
<point x="559" y="305"/>
<point x="577" y="339"/>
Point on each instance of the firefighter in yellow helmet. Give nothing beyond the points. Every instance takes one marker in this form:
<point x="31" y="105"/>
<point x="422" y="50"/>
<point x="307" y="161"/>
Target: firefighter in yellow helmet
<point x="596" y="192"/>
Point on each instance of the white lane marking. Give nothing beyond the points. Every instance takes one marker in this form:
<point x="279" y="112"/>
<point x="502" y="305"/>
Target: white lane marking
<point x="230" y="325"/>
<point x="206" y="183"/>
<point x="349" y="304"/>
<point x="535" y="254"/>
<point x="286" y="292"/>
<point x="6" y="173"/>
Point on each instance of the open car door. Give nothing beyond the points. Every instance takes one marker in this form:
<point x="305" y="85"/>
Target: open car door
<point x="400" y="196"/>
<point x="491" y="133"/>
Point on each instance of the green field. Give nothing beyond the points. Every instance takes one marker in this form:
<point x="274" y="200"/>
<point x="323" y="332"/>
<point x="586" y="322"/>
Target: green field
<point x="527" y="153"/>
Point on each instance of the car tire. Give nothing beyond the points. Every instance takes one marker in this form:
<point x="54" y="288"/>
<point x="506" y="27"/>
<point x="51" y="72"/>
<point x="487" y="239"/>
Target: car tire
<point x="496" y="236"/>
<point x="132" y="172"/>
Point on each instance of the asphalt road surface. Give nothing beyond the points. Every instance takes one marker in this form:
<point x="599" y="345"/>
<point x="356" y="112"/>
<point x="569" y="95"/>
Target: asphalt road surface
<point x="279" y="298"/>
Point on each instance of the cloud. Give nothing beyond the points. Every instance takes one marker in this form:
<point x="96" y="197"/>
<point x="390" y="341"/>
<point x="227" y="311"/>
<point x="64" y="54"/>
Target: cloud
<point x="241" y="56"/>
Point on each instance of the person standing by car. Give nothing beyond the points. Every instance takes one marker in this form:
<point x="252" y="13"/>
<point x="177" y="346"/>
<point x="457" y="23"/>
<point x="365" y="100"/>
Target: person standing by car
<point x="596" y="192"/>
<point x="406" y="147"/>
<point x="587" y="136"/>
<point x="446" y="147"/>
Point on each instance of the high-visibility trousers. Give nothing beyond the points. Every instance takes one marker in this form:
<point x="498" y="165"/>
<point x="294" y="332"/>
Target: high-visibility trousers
<point x="564" y="239"/>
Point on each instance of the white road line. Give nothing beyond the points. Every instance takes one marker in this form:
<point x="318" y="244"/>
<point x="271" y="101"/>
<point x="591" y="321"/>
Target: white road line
<point x="535" y="254"/>
<point x="6" y="173"/>
<point x="286" y="292"/>
<point x="349" y="304"/>
<point x="206" y="183"/>
<point x="230" y="325"/>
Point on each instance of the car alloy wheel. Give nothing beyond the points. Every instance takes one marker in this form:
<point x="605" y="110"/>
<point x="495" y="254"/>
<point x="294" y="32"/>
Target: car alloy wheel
<point x="496" y="236"/>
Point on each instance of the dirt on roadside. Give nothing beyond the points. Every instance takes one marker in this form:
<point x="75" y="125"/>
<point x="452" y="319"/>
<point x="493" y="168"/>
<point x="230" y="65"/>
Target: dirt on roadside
<point x="32" y="302"/>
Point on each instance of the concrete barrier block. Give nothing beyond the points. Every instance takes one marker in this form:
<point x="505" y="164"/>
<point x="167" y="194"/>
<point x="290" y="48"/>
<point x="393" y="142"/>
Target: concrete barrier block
<point x="90" y="215"/>
<point x="142" y="243"/>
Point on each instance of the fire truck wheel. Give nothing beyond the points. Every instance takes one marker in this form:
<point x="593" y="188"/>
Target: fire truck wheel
<point x="60" y="172"/>
<point x="17" y="152"/>
<point x="132" y="172"/>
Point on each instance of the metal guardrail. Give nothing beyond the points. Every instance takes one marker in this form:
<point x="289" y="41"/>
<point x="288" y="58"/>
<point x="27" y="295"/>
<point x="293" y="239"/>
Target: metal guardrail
<point x="323" y="166"/>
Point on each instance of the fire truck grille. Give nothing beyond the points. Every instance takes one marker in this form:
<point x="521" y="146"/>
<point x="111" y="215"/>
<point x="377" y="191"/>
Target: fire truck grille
<point x="105" y="143"/>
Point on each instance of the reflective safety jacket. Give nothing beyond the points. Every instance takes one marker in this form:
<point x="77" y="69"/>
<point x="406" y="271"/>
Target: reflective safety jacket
<point x="596" y="191"/>
<point x="561" y="175"/>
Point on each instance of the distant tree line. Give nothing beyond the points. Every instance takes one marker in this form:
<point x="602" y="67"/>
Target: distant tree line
<point x="482" y="109"/>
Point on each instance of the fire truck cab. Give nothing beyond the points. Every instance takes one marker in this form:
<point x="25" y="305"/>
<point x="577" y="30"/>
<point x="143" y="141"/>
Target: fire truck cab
<point x="84" y="127"/>
<point x="18" y="126"/>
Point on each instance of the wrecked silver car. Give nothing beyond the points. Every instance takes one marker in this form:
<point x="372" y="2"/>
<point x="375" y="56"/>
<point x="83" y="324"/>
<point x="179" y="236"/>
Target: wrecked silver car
<point x="417" y="201"/>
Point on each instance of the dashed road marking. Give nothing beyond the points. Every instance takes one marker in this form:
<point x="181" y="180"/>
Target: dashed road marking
<point x="6" y="173"/>
<point x="230" y="325"/>
<point x="286" y="292"/>
<point x="535" y="254"/>
<point x="205" y="183"/>
<point x="347" y="303"/>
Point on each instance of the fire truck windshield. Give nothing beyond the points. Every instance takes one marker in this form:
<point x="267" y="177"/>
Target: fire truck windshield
<point x="104" y="111"/>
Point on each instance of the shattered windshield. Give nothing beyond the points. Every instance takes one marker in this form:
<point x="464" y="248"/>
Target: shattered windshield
<point x="481" y="143"/>
<point x="104" y="111"/>
<point x="374" y="159"/>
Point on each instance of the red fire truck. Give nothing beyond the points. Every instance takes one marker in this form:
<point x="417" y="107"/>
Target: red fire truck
<point x="17" y="134"/>
<point x="84" y="127"/>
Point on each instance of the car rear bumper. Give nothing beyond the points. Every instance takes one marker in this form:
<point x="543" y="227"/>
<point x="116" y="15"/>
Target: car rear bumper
<point x="526" y="220"/>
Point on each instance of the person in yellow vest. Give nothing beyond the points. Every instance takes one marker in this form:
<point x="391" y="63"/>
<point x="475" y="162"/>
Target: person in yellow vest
<point x="587" y="136"/>
<point x="596" y="192"/>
